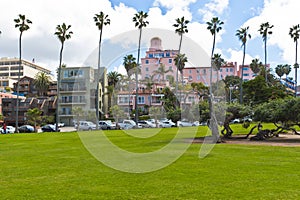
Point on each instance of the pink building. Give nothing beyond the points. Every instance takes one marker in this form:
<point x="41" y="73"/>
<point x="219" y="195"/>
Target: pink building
<point x="155" y="57"/>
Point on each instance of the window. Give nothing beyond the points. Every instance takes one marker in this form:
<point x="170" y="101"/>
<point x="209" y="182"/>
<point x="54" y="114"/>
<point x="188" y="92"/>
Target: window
<point x="3" y="68"/>
<point x="170" y="68"/>
<point x="191" y="99"/>
<point x="150" y="55"/>
<point x="190" y="71"/>
<point x="147" y="69"/>
<point x="123" y="100"/>
<point x="204" y="71"/>
<point x="141" y="100"/>
<point x="226" y="69"/>
<point x="198" y="77"/>
<point x="245" y="68"/>
<point x="221" y="70"/>
<point x="73" y="73"/>
<point x="198" y="71"/>
<point x="245" y="74"/>
<point x="190" y="78"/>
<point x="16" y="68"/>
<point x="170" y="60"/>
<point x="5" y="83"/>
<point x="168" y="54"/>
<point x="147" y="61"/>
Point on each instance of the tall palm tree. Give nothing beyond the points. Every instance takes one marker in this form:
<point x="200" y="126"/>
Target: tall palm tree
<point x="279" y="70"/>
<point x="256" y="65"/>
<point x="110" y="94"/>
<point x="181" y="28"/>
<point x="63" y="33"/>
<point x="130" y="64"/>
<point x="113" y="78"/>
<point x="218" y="62"/>
<point x="23" y="25"/>
<point x="243" y="36"/>
<point x="294" y="33"/>
<point x="101" y="20"/>
<point x="41" y="83"/>
<point x="180" y="61"/>
<point x="265" y="30"/>
<point x="214" y="26"/>
<point x="139" y="20"/>
<point x="287" y="70"/>
<point x="161" y="71"/>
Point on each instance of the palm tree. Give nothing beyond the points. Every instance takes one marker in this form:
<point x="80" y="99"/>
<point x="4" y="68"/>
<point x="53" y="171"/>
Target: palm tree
<point x="243" y="35"/>
<point x="63" y="33"/>
<point x="33" y="116"/>
<point x="264" y="30"/>
<point x="23" y="25"/>
<point x="139" y="20"/>
<point x="110" y="94"/>
<point x="101" y="20"/>
<point x="279" y="70"/>
<point x="180" y="61"/>
<point x="130" y="65"/>
<point x="181" y="28"/>
<point x="287" y="70"/>
<point x="161" y="71"/>
<point x="41" y="83"/>
<point x="113" y="78"/>
<point x="214" y="26"/>
<point x="294" y="33"/>
<point x="218" y="62"/>
<point x="256" y="65"/>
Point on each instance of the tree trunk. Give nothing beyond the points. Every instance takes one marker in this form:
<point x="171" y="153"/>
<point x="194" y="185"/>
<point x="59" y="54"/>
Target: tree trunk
<point x="58" y="86"/>
<point x="136" y="80"/>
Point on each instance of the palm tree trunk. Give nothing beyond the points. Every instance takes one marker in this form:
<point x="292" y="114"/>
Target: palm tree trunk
<point x="296" y="69"/>
<point x="176" y="88"/>
<point x="58" y="86"/>
<point x="97" y="81"/>
<point x="266" y="75"/>
<point x="18" y="90"/>
<point x="242" y="76"/>
<point x="211" y="68"/>
<point x="136" y="80"/>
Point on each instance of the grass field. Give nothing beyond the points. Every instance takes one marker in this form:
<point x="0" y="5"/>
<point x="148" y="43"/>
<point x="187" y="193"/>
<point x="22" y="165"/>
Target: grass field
<point x="58" y="166"/>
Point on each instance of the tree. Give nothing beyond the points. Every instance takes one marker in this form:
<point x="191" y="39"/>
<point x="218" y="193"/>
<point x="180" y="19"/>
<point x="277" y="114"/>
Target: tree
<point x="279" y="70"/>
<point x="63" y="33"/>
<point x="113" y="78"/>
<point x="110" y="94"/>
<point x="130" y="64"/>
<point x="161" y="71"/>
<point x="117" y="113"/>
<point x="78" y="112"/>
<point x="180" y="61"/>
<point x="23" y="25"/>
<point x="140" y="21"/>
<point x="34" y="116"/>
<point x="214" y="26"/>
<point x="287" y="69"/>
<point x="256" y="65"/>
<point x="101" y="20"/>
<point x="243" y="36"/>
<point x="264" y="30"/>
<point x="181" y="28"/>
<point x="42" y="82"/>
<point x="294" y="33"/>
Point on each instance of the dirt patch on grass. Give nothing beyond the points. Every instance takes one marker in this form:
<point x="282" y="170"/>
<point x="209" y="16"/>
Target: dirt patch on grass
<point x="283" y="140"/>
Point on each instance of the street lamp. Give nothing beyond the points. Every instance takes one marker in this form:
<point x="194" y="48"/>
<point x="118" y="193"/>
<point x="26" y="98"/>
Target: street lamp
<point x="231" y="87"/>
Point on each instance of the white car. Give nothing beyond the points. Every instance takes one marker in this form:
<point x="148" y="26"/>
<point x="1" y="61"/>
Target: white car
<point x="9" y="129"/>
<point x="146" y="124"/>
<point x="107" y="125"/>
<point x="86" y="126"/>
<point x="166" y="124"/>
<point x="187" y="123"/>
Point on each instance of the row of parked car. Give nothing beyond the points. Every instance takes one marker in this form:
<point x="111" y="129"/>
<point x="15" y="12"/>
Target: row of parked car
<point x="28" y="129"/>
<point x="130" y="124"/>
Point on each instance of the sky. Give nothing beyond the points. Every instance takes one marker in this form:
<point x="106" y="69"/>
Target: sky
<point x="40" y="43"/>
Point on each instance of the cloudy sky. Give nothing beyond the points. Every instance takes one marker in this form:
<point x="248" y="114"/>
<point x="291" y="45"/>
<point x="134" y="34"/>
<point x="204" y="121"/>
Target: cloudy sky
<point x="40" y="43"/>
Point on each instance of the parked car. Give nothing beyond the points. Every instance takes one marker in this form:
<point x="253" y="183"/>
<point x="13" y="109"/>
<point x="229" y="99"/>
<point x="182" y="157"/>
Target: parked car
<point x="165" y="123"/>
<point x="49" y="128"/>
<point x="146" y="124"/>
<point x="86" y="126"/>
<point x="235" y="121"/>
<point x="106" y="125"/>
<point x="185" y="122"/>
<point x="26" y="129"/>
<point x="60" y="124"/>
<point x="247" y="119"/>
<point x="128" y="124"/>
<point x="9" y="129"/>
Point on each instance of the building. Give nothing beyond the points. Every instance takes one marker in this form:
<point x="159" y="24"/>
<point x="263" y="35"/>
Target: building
<point x="155" y="57"/>
<point x="6" y="96"/>
<point x="9" y="108"/>
<point x="26" y="87"/>
<point x="6" y="84"/>
<point x="78" y="89"/>
<point x="9" y="68"/>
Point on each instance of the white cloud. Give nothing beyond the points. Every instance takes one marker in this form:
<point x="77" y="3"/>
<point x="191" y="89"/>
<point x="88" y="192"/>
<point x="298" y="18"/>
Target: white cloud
<point x="213" y="8"/>
<point x="283" y="14"/>
<point x="171" y="4"/>
<point x="237" y="56"/>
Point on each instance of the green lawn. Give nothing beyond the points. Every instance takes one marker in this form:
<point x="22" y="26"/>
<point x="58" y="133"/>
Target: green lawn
<point x="58" y="166"/>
